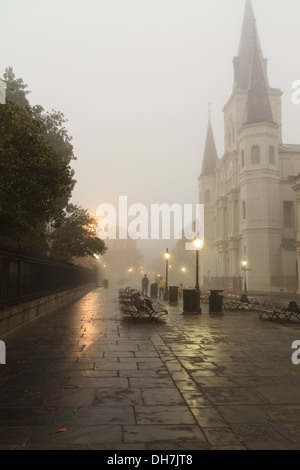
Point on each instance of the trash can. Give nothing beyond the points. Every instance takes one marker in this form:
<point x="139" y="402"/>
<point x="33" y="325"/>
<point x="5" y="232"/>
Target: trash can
<point x="216" y="302"/>
<point x="173" y="295"/>
<point x="191" y="301"/>
<point x="105" y="283"/>
<point x="154" y="290"/>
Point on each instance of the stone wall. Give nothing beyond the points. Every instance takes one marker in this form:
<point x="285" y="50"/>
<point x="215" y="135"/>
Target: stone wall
<point x="16" y="316"/>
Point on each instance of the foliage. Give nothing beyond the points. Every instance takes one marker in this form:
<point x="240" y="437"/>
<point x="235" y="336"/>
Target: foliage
<point x="75" y="235"/>
<point x="54" y="131"/>
<point x="36" y="179"/>
<point x="32" y="175"/>
<point x="15" y="89"/>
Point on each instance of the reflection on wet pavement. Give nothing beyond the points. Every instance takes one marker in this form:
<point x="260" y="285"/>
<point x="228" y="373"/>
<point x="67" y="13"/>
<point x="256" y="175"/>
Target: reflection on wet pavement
<point x="185" y="382"/>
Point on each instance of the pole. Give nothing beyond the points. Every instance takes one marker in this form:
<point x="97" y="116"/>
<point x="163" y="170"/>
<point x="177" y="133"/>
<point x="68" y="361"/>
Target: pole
<point x="197" y="288"/>
<point x="245" y="282"/>
<point x="197" y="270"/>
<point x="167" y="272"/>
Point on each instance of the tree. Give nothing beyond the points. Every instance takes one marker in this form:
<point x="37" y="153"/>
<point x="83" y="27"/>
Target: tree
<point x="15" y="89"/>
<point x="36" y="180"/>
<point x="32" y="176"/>
<point x="57" y="136"/>
<point x="53" y="129"/>
<point x="75" y="236"/>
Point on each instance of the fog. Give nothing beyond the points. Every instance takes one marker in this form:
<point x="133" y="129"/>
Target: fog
<point x="134" y="79"/>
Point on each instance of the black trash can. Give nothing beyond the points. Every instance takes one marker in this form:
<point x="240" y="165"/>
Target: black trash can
<point x="216" y="302"/>
<point x="191" y="301"/>
<point x="173" y="295"/>
<point x="154" y="290"/>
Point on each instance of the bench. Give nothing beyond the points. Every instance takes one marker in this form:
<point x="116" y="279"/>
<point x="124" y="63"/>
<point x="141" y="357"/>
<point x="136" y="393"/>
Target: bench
<point x="279" y="313"/>
<point x="136" y="305"/>
<point x="234" y="302"/>
<point x="239" y="302"/>
<point x="126" y="296"/>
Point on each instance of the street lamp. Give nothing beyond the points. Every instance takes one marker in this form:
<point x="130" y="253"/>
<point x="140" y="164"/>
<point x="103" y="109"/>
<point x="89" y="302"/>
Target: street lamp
<point x="244" y="269"/>
<point x="198" y="244"/>
<point x="167" y="256"/>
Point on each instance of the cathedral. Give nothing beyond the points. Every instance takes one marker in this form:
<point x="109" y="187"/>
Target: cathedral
<point x="251" y="215"/>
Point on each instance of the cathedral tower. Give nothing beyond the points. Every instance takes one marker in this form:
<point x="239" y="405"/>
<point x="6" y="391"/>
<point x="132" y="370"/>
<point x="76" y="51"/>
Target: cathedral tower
<point x="207" y="191"/>
<point x="249" y="202"/>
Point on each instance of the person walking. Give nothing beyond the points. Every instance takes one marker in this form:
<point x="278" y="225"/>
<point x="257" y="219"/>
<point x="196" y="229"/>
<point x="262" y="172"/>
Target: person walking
<point x="161" y="288"/>
<point x="145" y="285"/>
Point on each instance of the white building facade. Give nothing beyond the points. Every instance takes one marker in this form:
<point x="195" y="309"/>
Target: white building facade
<point x="250" y="204"/>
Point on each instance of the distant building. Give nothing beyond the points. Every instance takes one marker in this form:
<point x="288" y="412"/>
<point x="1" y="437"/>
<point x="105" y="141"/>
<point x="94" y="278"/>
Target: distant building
<point x="122" y="264"/>
<point x="250" y="204"/>
<point x="2" y="92"/>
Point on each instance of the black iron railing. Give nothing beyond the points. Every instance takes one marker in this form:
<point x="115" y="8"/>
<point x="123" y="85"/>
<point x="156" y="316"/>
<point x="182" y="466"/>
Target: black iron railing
<point x="226" y="283"/>
<point x="24" y="277"/>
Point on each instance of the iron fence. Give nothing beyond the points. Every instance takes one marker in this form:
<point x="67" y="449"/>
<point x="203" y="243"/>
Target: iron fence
<point x="25" y="277"/>
<point x="234" y="284"/>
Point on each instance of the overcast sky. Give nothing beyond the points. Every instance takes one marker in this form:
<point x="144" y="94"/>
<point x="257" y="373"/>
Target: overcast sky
<point x="134" y="78"/>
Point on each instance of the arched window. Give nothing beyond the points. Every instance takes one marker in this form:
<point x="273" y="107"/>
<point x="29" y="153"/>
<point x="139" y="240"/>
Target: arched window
<point x="244" y="210"/>
<point x="272" y="155"/>
<point x="255" y="155"/>
<point x="243" y="159"/>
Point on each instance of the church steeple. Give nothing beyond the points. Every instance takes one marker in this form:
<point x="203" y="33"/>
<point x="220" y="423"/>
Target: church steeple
<point x="258" y="108"/>
<point x="210" y="156"/>
<point x="243" y="62"/>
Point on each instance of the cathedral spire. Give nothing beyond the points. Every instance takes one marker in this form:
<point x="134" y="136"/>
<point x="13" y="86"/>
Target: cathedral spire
<point x="210" y="156"/>
<point x="258" y="108"/>
<point x="243" y="62"/>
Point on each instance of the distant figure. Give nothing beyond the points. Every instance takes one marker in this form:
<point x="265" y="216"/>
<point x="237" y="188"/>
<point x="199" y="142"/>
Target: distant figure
<point x="161" y="288"/>
<point x="145" y="285"/>
<point x="180" y="289"/>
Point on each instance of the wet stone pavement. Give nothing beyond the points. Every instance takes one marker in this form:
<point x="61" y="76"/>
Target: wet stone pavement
<point x="86" y="377"/>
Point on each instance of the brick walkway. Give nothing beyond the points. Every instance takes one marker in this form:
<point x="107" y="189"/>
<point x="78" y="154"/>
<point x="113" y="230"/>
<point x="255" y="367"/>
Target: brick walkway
<point x="186" y="383"/>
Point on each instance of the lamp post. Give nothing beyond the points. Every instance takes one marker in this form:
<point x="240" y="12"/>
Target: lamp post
<point x="167" y="256"/>
<point x="198" y="244"/>
<point x="244" y="269"/>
